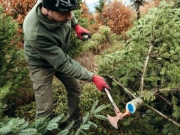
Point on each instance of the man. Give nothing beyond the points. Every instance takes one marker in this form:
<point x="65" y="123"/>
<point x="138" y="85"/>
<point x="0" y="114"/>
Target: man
<point x="47" y="30"/>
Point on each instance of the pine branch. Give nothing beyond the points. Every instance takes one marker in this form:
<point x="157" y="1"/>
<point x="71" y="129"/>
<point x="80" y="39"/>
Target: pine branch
<point x="86" y="124"/>
<point x="153" y="109"/>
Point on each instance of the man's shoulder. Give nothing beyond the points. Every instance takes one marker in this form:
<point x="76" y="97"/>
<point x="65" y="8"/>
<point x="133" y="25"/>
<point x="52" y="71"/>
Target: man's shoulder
<point x="31" y="25"/>
<point x="31" y="22"/>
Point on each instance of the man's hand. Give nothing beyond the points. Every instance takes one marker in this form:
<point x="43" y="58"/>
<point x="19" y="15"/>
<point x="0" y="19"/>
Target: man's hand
<point x="80" y="31"/>
<point x="100" y="82"/>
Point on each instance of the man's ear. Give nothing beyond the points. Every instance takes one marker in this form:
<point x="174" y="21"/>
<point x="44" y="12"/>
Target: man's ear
<point x="45" y="12"/>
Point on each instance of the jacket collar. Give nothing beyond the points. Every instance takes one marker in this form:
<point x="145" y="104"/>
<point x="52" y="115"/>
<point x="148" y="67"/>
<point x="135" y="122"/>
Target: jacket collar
<point x="49" y="24"/>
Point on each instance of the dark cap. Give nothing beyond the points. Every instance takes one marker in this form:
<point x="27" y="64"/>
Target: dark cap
<point x="60" y="5"/>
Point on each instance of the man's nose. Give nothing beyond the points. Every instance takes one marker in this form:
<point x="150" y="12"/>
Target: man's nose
<point x="69" y="17"/>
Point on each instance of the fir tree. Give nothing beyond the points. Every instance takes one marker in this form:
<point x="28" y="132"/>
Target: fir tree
<point x="12" y="64"/>
<point x="149" y="67"/>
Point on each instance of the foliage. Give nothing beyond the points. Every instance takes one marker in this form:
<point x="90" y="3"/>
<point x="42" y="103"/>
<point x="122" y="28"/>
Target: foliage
<point x="12" y="70"/>
<point x="26" y="111"/>
<point x="87" y="20"/>
<point x="145" y="8"/>
<point x="60" y="99"/>
<point x="100" y="6"/>
<point x="86" y="124"/>
<point x="76" y="44"/>
<point x="18" y="9"/>
<point x="177" y="3"/>
<point x="10" y="126"/>
<point x="119" y="20"/>
<point x="151" y="56"/>
<point x="91" y="23"/>
<point x="101" y="40"/>
<point x="99" y="9"/>
<point x="41" y="126"/>
<point x="145" y="5"/>
<point x="79" y="4"/>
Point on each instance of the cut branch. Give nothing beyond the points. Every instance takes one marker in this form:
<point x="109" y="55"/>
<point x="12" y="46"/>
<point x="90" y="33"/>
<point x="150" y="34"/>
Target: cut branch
<point x="153" y="109"/>
<point x="161" y="114"/>
<point x="163" y="98"/>
<point x="169" y="90"/>
<point x="125" y="89"/>
<point x="144" y="68"/>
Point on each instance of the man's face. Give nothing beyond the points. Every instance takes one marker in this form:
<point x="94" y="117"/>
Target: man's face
<point x="61" y="17"/>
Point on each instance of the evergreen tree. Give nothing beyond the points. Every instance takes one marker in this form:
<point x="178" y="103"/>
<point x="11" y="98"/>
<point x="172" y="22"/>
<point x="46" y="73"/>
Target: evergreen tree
<point x="100" y="6"/>
<point x="149" y="67"/>
<point x="99" y="9"/>
<point x="13" y="69"/>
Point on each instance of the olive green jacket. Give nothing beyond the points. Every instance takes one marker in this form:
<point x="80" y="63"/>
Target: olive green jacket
<point x="46" y="44"/>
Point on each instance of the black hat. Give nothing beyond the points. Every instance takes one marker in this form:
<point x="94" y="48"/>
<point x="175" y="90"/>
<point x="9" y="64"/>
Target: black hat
<point x="60" y="5"/>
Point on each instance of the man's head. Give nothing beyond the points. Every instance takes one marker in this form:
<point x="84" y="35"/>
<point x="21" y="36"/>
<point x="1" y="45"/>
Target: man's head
<point x="60" y="5"/>
<point x="58" y="10"/>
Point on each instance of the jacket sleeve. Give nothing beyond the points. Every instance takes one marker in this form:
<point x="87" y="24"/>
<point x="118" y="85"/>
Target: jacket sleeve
<point x="74" y="21"/>
<point x="61" y="61"/>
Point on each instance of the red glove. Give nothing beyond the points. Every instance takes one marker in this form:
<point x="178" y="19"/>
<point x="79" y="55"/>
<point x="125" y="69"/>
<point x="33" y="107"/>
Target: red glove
<point x="80" y="31"/>
<point x="100" y="82"/>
